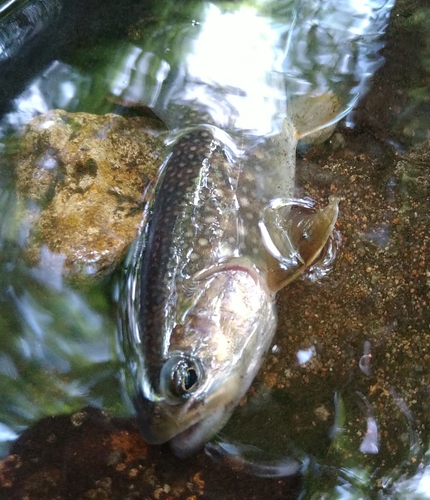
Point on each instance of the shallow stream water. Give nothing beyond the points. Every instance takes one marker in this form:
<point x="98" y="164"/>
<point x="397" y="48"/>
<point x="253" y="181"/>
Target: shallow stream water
<point x="344" y="390"/>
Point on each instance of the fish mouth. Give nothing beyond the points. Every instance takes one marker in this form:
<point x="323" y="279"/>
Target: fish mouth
<point x="185" y="432"/>
<point x="190" y="440"/>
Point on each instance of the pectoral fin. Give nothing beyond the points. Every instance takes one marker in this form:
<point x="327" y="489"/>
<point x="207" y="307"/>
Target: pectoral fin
<point x="295" y="244"/>
<point x="308" y="233"/>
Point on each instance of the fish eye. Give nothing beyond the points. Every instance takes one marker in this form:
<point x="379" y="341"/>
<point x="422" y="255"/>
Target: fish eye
<point x="180" y="377"/>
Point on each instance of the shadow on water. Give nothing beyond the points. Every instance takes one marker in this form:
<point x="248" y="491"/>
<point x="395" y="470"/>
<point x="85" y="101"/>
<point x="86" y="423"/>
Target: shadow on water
<point x="340" y="406"/>
<point x="36" y="33"/>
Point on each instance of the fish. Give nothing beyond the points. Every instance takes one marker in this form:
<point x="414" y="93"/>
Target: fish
<point x="220" y="237"/>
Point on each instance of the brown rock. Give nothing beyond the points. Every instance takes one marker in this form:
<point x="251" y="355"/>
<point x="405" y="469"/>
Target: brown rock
<point x="104" y="457"/>
<point x="86" y="175"/>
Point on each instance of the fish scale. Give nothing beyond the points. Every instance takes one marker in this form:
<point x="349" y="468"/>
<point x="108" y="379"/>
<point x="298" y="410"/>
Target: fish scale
<point x="192" y="216"/>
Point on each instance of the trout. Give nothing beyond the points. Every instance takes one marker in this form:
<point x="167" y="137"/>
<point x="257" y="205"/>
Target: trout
<point x="197" y="298"/>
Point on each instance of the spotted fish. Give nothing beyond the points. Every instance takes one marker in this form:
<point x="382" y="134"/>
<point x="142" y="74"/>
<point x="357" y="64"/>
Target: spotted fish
<point x="197" y="297"/>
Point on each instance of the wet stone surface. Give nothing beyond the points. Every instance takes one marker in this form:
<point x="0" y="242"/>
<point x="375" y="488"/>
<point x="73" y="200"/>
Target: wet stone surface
<point x="81" y="179"/>
<point x="91" y="455"/>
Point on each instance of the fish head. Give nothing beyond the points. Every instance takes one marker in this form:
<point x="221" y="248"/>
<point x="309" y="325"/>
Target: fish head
<point x="213" y="355"/>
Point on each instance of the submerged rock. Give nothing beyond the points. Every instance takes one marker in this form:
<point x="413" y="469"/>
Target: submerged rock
<point x="412" y="170"/>
<point x="92" y="455"/>
<point x="81" y="178"/>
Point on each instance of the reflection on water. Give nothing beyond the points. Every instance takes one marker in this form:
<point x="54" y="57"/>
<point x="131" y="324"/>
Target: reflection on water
<point x="55" y="344"/>
<point x="264" y="54"/>
<point x="60" y="86"/>
<point x="236" y="66"/>
<point x="254" y="461"/>
<point x="22" y="21"/>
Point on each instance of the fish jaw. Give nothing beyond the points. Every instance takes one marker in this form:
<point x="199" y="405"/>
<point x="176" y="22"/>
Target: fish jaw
<point x="228" y="331"/>
<point x="186" y="431"/>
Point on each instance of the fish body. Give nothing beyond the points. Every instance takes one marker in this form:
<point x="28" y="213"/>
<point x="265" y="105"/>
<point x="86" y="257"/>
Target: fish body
<point x="205" y="314"/>
<point x="199" y="309"/>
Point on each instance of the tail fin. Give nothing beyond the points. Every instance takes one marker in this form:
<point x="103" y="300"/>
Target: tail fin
<point x="315" y="117"/>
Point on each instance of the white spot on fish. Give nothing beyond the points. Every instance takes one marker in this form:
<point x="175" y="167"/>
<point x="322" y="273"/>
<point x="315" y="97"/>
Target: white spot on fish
<point x="203" y="242"/>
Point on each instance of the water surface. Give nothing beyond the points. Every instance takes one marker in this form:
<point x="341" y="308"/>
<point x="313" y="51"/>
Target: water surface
<point x="344" y="389"/>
